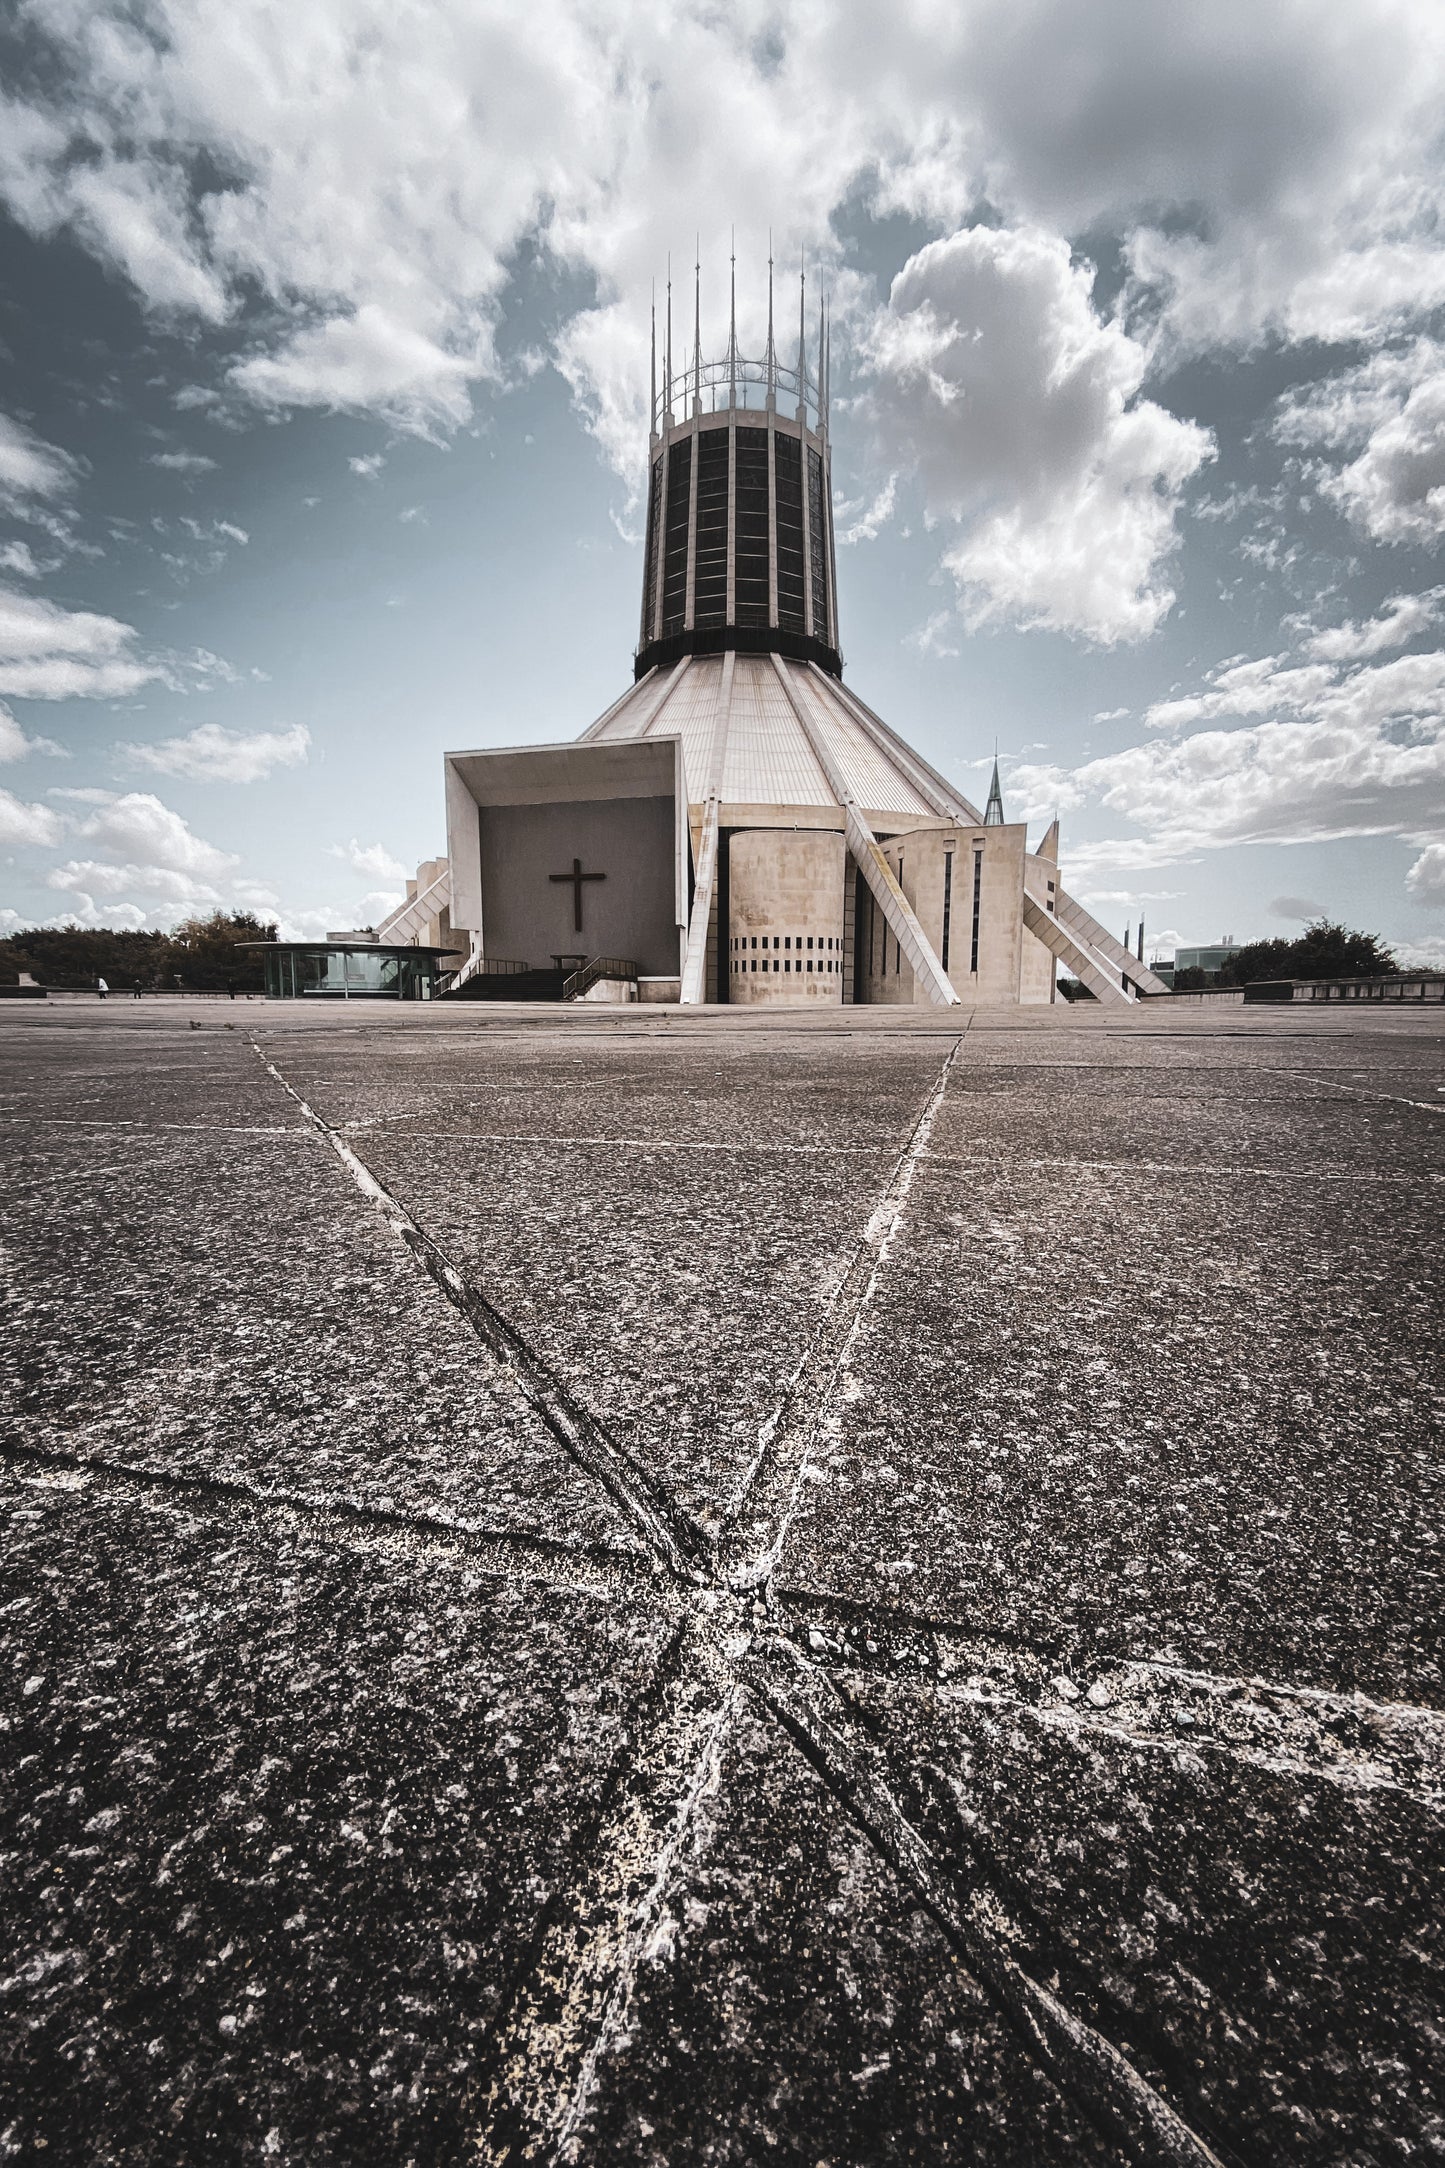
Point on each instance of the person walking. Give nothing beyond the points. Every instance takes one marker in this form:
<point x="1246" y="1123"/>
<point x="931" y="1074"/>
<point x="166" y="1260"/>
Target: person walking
<point x="101" y="988"/>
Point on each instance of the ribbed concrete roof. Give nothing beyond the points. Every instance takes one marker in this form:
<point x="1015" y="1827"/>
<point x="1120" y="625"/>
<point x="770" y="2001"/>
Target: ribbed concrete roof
<point x="767" y="758"/>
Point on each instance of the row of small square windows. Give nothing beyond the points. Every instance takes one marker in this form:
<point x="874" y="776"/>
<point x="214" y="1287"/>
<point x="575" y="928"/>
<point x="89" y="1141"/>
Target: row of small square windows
<point x="782" y="941"/>
<point x="785" y="963"/>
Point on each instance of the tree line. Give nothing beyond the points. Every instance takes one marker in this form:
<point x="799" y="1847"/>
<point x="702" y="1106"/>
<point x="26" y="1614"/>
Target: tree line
<point x="200" y="955"/>
<point x="1324" y="950"/>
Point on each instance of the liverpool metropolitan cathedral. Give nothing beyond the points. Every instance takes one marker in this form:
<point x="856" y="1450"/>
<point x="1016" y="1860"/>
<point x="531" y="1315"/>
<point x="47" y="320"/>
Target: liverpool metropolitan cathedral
<point x="740" y="827"/>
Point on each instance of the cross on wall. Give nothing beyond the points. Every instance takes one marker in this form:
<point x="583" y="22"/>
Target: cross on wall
<point x="577" y="877"/>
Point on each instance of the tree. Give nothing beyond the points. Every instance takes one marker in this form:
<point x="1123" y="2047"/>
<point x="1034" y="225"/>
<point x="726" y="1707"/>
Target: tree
<point x="203" y="952"/>
<point x="78" y="955"/>
<point x="1325" y="950"/>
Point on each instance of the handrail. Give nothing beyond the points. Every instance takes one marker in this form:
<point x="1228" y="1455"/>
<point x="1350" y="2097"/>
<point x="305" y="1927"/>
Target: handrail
<point x="601" y="967"/>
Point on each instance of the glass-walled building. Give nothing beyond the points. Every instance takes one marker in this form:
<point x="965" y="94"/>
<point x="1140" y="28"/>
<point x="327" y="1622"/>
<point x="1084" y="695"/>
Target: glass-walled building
<point x="352" y="971"/>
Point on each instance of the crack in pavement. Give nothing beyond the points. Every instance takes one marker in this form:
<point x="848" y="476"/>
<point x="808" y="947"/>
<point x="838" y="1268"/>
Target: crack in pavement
<point x="592" y="1569"/>
<point x="672" y="1533"/>
<point x="569" y="2005"/>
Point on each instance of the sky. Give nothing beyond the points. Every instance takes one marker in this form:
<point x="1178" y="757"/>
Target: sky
<point x="323" y="416"/>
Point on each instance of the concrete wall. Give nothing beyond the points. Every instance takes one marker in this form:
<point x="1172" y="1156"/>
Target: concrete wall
<point x="920" y="861"/>
<point x="630" y="913"/>
<point x="1038" y="974"/>
<point x="785" y="916"/>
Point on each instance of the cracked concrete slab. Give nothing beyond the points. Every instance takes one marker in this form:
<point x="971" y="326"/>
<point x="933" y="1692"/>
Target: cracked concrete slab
<point x="280" y="1822"/>
<point x="1198" y="1420"/>
<point x="224" y="1306"/>
<point x="792" y="2004"/>
<point x="1045" y="1766"/>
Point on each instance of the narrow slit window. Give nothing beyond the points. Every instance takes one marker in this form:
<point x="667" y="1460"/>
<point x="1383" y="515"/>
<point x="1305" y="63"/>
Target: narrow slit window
<point x="977" y="898"/>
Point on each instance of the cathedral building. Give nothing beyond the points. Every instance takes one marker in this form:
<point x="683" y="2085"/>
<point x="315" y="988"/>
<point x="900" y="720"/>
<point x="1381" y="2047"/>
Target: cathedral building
<point x="740" y="827"/>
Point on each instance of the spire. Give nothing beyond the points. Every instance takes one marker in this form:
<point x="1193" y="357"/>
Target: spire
<point x="697" y="330"/>
<point x="667" y="363"/>
<point x="1049" y="848"/>
<point x="733" y="322"/>
<point x="652" y="391"/>
<point x="802" y="341"/>
<point x="827" y="367"/>
<point x="1141" y="937"/>
<point x="819" y="387"/>
<point x="993" y="811"/>
<point x="770" y="359"/>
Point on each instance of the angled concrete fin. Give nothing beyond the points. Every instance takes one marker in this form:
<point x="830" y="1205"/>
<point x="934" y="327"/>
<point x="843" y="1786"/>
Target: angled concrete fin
<point x="408" y="921"/>
<point x="694" y="963"/>
<point x="1062" y="943"/>
<point x="929" y="977"/>
<point x="1087" y="929"/>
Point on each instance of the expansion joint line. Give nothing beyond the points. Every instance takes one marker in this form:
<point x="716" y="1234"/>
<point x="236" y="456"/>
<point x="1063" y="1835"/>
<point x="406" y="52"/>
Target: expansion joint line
<point x="506" y="1553"/>
<point x="1080" y="2059"/>
<point x="570" y="2005"/>
<point x="759" y="1518"/>
<point x="672" y="1535"/>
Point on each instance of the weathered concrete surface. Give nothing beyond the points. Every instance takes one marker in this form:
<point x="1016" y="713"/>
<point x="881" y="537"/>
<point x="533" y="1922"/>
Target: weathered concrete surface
<point x="834" y="1589"/>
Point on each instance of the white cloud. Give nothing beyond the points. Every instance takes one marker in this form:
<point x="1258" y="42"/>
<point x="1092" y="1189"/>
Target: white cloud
<point x="1302" y="908"/>
<point x="15" y="745"/>
<point x="218" y="530"/>
<point x="373" y="858"/>
<point x="938" y="635"/>
<point x="1389" y="411"/>
<point x="1340" y="753"/>
<point x="369" y="466"/>
<point x="1401" y="619"/>
<point x="1269" y="169"/>
<point x="19" y="558"/>
<point x="48" y="653"/>
<point x="1426" y="878"/>
<point x="993" y="377"/>
<point x="137" y="829"/>
<point x="29" y="467"/>
<point x="22" y="823"/>
<point x="864" y="521"/>
<point x="183" y="462"/>
<point x="93" y="877"/>
<point x="211" y="754"/>
<point x="1426" y="955"/>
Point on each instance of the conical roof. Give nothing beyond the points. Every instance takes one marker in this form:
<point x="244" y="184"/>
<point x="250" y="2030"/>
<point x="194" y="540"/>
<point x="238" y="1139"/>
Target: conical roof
<point x="763" y="731"/>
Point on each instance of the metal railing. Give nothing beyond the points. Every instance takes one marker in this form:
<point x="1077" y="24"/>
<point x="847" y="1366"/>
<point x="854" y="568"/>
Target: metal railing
<point x="601" y="967"/>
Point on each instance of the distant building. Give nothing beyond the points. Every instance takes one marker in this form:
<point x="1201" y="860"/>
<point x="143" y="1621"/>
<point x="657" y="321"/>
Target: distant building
<point x="352" y="967"/>
<point x="1211" y="960"/>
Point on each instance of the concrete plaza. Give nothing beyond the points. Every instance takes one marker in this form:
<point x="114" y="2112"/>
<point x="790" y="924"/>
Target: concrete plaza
<point x="625" y="1586"/>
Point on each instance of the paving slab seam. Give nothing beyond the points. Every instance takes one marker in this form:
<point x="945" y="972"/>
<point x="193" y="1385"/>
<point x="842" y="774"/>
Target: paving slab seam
<point x="776" y="1474"/>
<point x="746" y="1148"/>
<point x="1084" y="2063"/>
<point x="1003" y="1159"/>
<point x="596" y="1941"/>
<point x="1421" y="1106"/>
<point x="670" y="1532"/>
<point x="156" y="1129"/>
<point x="569" y="2004"/>
<point x="587" y="1569"/>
